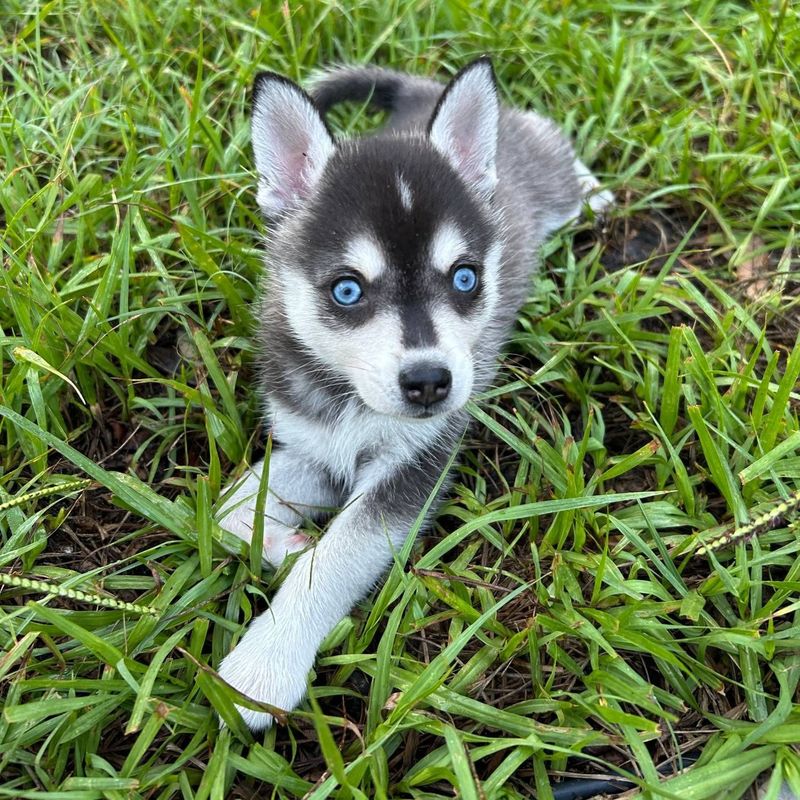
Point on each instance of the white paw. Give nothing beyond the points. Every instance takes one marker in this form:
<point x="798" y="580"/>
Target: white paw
<point x="266" y="667"/>
<point x="599" y="201"/>
<point x="283" y="542"/>
<point x="279" y="540"/>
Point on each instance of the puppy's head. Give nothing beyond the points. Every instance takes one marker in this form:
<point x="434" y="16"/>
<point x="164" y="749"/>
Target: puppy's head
<point x="392" y="250"/>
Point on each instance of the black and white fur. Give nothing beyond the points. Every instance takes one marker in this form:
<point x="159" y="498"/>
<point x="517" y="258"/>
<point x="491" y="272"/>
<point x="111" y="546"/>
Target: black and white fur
<point x="455" y="178"/>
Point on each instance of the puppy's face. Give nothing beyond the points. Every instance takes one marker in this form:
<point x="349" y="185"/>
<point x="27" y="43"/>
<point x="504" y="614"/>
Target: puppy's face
<point x="396" y="253"/>
<point x="396" y="277"/>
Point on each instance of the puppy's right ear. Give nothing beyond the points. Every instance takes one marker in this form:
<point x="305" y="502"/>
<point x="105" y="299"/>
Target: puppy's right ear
<point x="291" y="143"/>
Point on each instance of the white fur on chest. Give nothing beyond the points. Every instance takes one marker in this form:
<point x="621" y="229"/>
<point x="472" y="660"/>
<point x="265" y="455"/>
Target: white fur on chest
<point x="356" y="440"/>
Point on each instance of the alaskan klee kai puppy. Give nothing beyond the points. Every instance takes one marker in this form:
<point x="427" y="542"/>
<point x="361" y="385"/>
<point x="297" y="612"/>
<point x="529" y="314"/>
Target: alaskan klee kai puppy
<point x="396" y="265"/>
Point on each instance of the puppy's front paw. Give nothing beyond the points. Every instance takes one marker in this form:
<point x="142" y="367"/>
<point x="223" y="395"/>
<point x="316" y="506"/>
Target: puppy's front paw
<point x="279" y="540"/>
<point x="266" y="669"/>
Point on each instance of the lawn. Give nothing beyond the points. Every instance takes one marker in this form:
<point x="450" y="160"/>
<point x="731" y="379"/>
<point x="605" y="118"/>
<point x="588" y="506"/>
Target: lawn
<point x="583" y="605"/>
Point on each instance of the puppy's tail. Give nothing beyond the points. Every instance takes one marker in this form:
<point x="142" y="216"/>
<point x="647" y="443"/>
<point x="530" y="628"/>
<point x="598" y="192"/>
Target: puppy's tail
<point x="380" y="87"/>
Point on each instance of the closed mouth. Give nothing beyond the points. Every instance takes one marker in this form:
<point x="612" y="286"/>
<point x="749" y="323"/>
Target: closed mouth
<point x="428" y="412"/>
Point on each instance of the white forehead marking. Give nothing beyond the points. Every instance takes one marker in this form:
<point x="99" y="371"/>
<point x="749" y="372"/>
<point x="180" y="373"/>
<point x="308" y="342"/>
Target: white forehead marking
<point x="406" y="198"/>
<point x="448" y="244"/>
<point x="365" y="255"/>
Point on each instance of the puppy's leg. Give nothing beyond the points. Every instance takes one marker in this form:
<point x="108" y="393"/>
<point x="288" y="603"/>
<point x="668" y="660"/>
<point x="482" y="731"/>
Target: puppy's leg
<point x="272" y="660"/>
<point x="599" y="202"/>
<point x="297" y="490"/>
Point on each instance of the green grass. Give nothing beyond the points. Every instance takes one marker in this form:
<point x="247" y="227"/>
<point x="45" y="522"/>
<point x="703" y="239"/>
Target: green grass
<point x="559" y="618"/>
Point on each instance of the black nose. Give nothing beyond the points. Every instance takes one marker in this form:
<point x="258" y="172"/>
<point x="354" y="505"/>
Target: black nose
<point x="425" y="384"/>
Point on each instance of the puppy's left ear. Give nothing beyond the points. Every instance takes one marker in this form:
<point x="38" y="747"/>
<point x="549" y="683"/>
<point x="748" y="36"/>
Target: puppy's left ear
<point x="464" y="125"/>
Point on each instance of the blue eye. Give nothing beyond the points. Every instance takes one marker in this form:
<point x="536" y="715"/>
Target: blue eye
<point x="346" y="291"/>
<point x="465" y="279"/>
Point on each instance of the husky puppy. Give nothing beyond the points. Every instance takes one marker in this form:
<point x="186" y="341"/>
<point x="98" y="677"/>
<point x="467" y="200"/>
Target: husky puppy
<point x="396" y="266"/>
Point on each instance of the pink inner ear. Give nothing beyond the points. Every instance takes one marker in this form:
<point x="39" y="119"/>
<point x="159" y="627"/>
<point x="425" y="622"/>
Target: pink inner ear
<point x="469" y="157"/>
<point x="293" y="146"/>
<point x="295" y="185"/>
